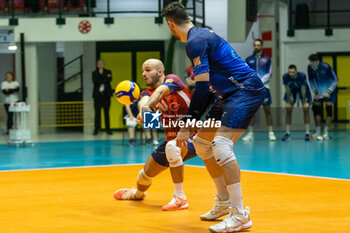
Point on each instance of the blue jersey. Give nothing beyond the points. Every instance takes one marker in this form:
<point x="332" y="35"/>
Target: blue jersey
<point x="209" y="52"/>
<point x="262" y="66"/>
<point x="323" y="79"/>
<point x="296" y="82"/>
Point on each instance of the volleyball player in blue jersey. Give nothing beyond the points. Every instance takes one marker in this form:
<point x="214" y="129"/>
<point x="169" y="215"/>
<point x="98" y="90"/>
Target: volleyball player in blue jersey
<point x="323" y="82"/>
<point x="240" y="92"/>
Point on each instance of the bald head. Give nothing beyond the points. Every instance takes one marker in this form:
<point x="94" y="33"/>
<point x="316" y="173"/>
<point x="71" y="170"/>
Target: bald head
<point x="157" y="64"/>
<point x="152" y="72"/>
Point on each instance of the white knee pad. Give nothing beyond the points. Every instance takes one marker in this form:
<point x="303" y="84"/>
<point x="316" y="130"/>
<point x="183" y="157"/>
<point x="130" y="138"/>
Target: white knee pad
<point x="173" y="154"/>
<point x="143" y="179"/>
<point x="223" y="150"/>
<point x="203" y="148"/>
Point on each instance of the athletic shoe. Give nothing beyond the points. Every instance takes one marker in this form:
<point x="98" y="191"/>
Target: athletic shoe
<point x="220" y="209"/>
<point x="235" y="221"/>
<point x="132" y="142"/>
<point x="272" y="136"/>
<point x="155" y="142"/>
<point x="287" y="137"/>
<point x="127" y="194"/>
<point x="249" y="137"/>
<point x="176" y="203"/>
<point x="326" y="136"/>
<point x="318" y="137"/>
<point x="308" y="137"/>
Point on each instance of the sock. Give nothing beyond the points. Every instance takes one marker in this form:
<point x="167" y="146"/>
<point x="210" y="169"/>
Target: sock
<point x="326" y="129"/>
<point x="318" y="129"/>
<point x="270" y="128"/>
<point x="139" y="194"/>
<point x="250" y="129"/>
<point x="288" y="129"/>
<point x="307" y="128"/>
<point x="235" y="192"/>
<point x="179" y="190"/>
<point x="221" y="188"/>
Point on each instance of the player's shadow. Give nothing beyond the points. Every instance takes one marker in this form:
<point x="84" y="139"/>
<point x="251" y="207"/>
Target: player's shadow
<point x="142" y="204"/>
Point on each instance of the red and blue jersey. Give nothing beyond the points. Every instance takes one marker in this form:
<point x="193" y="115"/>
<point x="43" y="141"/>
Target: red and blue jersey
<point x="173" y="106"/>
<point x="209" y="52"/>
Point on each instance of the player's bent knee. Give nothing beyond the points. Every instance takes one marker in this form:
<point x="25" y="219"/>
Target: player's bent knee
<point x="143" y="179"/>
<point x="173" y="154"/>
<point x="203" y="148"/>
<point x="317" y="109"/>
<point x="223" y="150"/>
<point x="329" y="110"/>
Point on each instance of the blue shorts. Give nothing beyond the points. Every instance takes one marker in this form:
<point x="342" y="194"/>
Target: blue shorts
<point x="296" y="96"/>
<point x="160" y="157"/>
<point x="267" y="100"/>
<point x="241" y="106"/>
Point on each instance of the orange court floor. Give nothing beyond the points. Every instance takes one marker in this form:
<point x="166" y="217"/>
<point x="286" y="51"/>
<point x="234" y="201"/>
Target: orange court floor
<point x="77" y="200"/>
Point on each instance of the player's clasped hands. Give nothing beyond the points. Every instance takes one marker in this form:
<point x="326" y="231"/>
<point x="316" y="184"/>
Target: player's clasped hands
<point x="182" y="136"/>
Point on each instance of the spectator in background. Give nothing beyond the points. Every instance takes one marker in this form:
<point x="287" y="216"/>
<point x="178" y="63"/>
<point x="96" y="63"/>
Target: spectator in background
<point x="10" y="88"/>
<point x="102" y="93"/>
<point x="151" y="137"/>
<point x="130" y="112"/>
<point x="323" y="82"/>
<point x="261" y="63"/>
<point x="296" y="89"/>
<point x="190" y="80"/>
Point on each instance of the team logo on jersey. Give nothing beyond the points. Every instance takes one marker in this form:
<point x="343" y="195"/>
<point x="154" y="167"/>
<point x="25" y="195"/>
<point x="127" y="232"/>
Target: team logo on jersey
<point x="196" y="61"/>
<point x="151" y="120"/>
<point x="169" y="81"/>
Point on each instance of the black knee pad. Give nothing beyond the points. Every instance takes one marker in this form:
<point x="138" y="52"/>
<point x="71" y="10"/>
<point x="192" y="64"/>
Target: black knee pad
<point x="317" y="109"/>
<point x="329" y="109"/>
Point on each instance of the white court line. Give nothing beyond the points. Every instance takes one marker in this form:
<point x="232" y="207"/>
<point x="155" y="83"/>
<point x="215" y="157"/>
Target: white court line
<point x="57" y="168"/>
<point x="132" y="164"/>
<point x="285" y="174"/>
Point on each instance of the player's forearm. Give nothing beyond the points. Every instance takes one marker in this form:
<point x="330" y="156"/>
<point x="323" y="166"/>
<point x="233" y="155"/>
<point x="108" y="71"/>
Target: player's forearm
<point x="142" y="102"/>
<point x="313" y="86"/>
<point x="303" y="94"/>
<point x="334" y="84"/>
<point x="154" y="99"/>
<point x="128" y="110"/>
<point x="288" y="94"/>
<point x="199" y="100"/>
<point x="266" y="77"/>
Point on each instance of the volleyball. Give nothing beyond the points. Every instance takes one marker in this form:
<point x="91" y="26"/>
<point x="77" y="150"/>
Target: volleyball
<point x="127" y="92"/>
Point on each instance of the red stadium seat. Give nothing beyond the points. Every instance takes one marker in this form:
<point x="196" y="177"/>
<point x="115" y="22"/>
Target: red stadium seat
<point x="19" y="5"/>
<point x="54" y="5"/>
<point x="75" y="5"/>
<point x="2" y="5"/>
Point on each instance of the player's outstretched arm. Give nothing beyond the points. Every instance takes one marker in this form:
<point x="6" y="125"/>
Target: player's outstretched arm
<point x="157" y="95"/>
<point x="140" y="105"/>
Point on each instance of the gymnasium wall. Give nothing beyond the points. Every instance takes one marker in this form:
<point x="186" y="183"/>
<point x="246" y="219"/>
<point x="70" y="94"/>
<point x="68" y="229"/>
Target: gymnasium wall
<point x="124" y="28"/>
<point x="295" y="50"/>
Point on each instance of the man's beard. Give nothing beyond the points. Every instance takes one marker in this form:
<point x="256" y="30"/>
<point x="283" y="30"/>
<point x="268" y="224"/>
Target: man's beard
<point x="257" y="50"/>
<point x="154" y="80"/>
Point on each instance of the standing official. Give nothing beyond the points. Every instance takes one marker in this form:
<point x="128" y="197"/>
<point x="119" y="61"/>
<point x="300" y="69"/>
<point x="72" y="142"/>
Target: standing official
<point x="102" y="93"/>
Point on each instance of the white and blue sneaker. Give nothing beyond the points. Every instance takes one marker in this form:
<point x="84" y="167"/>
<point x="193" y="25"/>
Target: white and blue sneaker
<point x="235" y="221"/>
